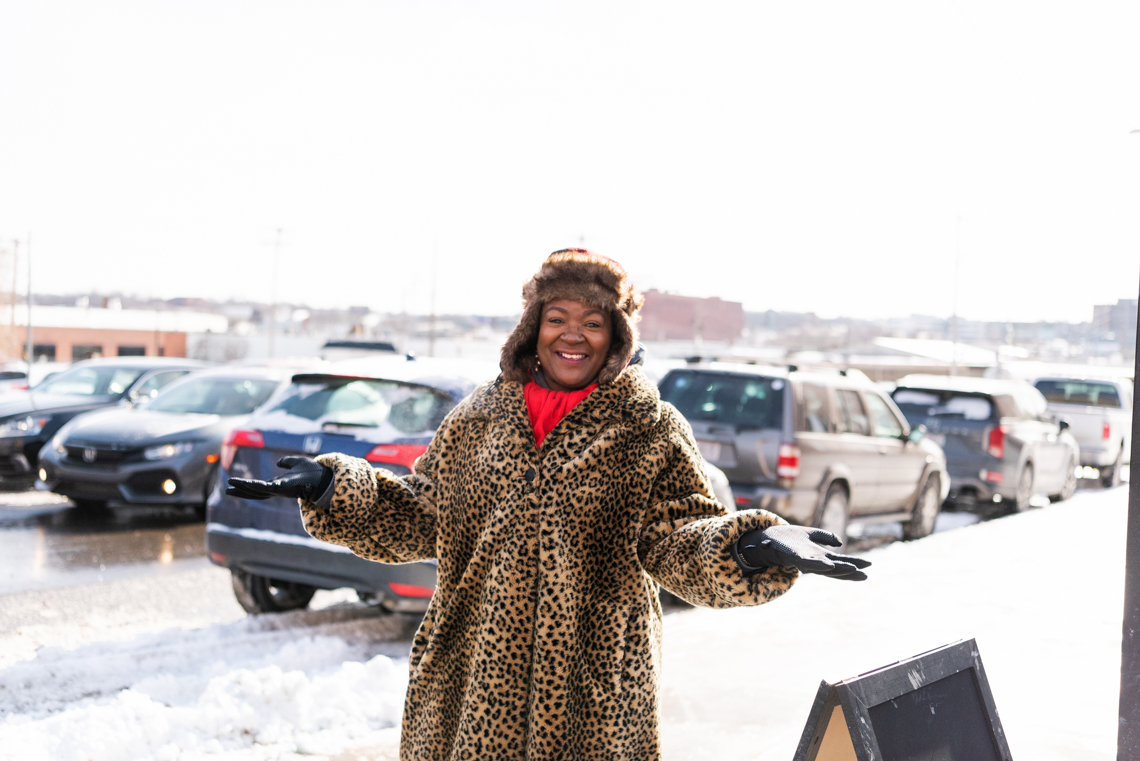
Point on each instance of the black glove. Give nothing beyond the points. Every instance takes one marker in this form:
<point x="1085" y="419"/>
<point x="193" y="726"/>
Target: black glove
<point x="797" y="547"/>
<point x="306" y="479"/>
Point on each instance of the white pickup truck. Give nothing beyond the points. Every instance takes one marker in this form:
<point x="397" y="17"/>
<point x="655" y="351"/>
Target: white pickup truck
<point x="1099" y="413"/>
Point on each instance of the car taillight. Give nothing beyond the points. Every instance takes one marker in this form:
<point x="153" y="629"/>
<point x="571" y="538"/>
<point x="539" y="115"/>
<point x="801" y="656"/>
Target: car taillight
<point x="396" y="454"/>
<point x="788" y="463"/>
<point x="410" y="590"/>
<point x="996" y="445"/>
<point x="1106" y="431"/>
<point x="240" y="438"/>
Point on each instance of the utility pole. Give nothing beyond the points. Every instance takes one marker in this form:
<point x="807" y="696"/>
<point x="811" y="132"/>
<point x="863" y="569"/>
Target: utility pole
<point x="954" y="317"/>
<point x="31" y="346"/>
<point x="431" y="317"/>
<point x="273" y="292"/>
<point x="12" y="344"/>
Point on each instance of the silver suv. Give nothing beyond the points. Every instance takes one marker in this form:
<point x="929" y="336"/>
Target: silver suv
<point x="818" y="448"/>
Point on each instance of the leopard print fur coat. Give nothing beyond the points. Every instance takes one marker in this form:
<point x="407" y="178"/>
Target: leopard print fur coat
<point x="543" y="638"/>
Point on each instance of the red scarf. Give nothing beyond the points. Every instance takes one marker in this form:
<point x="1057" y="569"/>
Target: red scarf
<point x="547" y="408"/>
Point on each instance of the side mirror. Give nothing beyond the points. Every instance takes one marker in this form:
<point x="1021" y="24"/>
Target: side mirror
<point x="917" y="434"/>
<point x="1062" y="425"/>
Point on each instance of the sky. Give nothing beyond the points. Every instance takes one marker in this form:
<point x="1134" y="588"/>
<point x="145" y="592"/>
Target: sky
<point x="831" y="157"/>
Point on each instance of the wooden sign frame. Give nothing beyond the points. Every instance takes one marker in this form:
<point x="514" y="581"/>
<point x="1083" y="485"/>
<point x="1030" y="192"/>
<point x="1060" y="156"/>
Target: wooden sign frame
<point x="839" y="727"/>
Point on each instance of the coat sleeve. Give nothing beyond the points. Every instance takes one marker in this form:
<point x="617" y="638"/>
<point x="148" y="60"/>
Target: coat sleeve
<point x="686" y="536"/>
<point x="377" y="515"/>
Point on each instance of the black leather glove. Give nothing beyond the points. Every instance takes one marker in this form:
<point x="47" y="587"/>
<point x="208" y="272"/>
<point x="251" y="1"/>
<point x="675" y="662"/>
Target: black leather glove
<point x="797" y="547"/>
<point x="307" y="479"/>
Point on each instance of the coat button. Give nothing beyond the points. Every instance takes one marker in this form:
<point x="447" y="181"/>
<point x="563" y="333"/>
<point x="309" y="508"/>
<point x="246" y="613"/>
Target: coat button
<point x="530" y="474"/>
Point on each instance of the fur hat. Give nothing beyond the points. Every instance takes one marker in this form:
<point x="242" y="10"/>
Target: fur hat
<point x="577" y="275"/>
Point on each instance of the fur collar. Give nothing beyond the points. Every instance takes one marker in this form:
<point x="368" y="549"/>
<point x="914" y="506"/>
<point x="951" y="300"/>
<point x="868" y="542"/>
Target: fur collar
<point x="632" y="397"/>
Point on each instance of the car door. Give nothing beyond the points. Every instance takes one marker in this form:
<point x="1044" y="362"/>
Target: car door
<point x="900" y="462"/>
<point x="1049" y="448"/>
<point x="858" y="449"/>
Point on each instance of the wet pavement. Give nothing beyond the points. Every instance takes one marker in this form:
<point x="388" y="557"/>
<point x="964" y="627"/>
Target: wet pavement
<point x="47" y="542"/>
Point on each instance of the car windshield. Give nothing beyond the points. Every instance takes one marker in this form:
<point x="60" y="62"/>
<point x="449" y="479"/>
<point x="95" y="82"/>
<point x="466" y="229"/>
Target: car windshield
<point x="920" y="403"/>
<point x="92" y="380"/>
<point x="214" y="396"/>
<point x="406" y="408"/>
<point x="741" y="400"/>
<point x="1089" y="393"/>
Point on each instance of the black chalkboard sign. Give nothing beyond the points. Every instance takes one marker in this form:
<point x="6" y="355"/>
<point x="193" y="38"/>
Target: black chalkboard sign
<point x="936" y="706"/>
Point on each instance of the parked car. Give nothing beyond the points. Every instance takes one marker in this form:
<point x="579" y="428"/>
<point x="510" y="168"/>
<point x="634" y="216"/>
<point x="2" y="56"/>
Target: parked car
<point x="382" y="409"/>
<point x="1099" y="413"/>
<point x="14" y="375"/>
<point x="818" y="448"/>
<point x="1002" y="444"/>
<point x="160" y="450"/>
<point x="28" y="419"/>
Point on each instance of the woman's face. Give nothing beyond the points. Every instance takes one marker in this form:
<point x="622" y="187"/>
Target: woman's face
<point x="573" y="343"/>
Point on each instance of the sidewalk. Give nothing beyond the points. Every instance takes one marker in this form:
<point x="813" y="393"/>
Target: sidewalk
<point x="736" y="684"/>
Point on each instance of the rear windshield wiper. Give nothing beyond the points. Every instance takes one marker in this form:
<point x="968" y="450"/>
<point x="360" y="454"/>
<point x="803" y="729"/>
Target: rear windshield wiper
<point x="331" y="424"/>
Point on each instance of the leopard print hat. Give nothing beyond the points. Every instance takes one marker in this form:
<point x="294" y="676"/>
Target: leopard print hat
<point x="578" y="275"/>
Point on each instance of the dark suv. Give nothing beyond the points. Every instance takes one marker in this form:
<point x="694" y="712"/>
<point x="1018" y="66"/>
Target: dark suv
<point x="816" y="447"/>
<point x="384" y="410"/>
<point x="1002" y="443"/>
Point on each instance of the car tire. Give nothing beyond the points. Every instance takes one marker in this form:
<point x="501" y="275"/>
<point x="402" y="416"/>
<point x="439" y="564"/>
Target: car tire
<point x="1070" y="486"/>
<point x="258" y="594"/>
<point x="833" y="512"/>
<point x="1024" y="491"/>
<point x="668" y="599"/>
<point x="1110" y="476"/>
<point x="926" y="508"/>
<point x="90" y="505"/>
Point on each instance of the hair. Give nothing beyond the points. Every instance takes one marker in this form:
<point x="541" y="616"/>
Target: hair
<point x="583" y="276"/>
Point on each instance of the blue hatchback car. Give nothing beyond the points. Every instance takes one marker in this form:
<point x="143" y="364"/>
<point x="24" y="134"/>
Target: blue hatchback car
<point x="383" y="409"/>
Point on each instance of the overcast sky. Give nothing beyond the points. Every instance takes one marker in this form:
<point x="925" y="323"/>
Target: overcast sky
<point x="809" y="156"/>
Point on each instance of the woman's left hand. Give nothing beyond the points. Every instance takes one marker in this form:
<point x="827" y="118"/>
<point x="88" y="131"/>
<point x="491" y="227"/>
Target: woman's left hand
<point x="797" y="547"/>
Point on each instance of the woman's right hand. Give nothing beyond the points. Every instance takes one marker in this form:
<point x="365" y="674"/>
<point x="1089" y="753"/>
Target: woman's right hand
<point x="307" y="479"/>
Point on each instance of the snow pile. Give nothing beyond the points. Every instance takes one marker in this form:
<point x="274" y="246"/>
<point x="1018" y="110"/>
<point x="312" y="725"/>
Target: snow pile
<point x="271" y="708"/>
<point x="308" y="682"/>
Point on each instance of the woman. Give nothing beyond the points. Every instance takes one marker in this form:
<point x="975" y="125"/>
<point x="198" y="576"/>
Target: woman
<point x="555" y="499"/>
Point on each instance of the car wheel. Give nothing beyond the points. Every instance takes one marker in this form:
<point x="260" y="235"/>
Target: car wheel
<point x="1024" y="489"/>
<point x="1110" y="476"/>
<point x="925" y="512"/>
<point x="833" y="512"/>
<point x="258" y="594"/>
<point x="90" y="504"/>
<point x="1070" y="486"/>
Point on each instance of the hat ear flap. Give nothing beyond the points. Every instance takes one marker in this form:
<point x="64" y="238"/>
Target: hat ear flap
<point x="624" y="336"/>
<point x="518" y="355"/>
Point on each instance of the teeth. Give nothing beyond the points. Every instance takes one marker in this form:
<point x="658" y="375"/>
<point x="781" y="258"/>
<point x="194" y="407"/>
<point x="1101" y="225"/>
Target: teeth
<point x="572" y="356"/>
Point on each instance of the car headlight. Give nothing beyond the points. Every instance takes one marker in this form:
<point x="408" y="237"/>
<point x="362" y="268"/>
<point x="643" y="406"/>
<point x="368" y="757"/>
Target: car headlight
<point x="24" y="425"/>
<point x="56" y="444"/>
<point x="166" y="451"/>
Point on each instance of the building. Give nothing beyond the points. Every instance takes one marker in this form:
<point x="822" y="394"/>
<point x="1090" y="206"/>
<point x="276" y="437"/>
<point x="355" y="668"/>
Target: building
<point x="66" y="334"/>
<point x="669" y="317"/>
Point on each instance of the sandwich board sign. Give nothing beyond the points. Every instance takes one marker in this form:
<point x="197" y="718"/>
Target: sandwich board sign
<point x="936" y="706"/>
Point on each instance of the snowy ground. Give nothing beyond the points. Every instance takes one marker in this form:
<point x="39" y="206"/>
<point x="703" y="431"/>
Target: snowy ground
<point x="167" y="667"/>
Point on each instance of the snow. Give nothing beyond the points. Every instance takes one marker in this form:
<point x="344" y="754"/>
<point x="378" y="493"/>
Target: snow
<point x="1044" y="608"/>
<point x="256" y="689"/>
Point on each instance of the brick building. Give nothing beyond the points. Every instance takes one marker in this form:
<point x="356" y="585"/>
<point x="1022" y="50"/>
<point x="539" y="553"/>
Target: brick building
<point x="669" y="317"/>
<point x="66" y="334"/>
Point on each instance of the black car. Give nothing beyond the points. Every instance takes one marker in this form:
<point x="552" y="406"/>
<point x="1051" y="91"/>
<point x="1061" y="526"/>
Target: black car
<point x="1002" y="444"/>
<point x="28" y="419"/>
<point x="161" y="451"/>
<point x="384" y="410"/>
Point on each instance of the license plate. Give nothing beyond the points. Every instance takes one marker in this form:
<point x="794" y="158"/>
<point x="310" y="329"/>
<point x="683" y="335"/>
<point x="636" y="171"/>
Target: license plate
<point x="710" y="450"/>
<point x="937" y="438"/>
